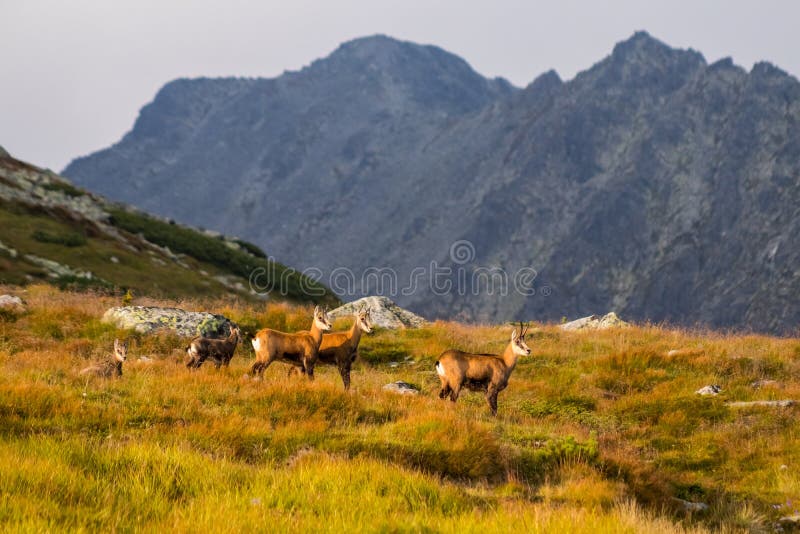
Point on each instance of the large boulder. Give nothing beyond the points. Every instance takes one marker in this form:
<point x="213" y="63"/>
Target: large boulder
<point x="147" y="319"/>
<point x="594" y="322"/>
<point x="11" y="302"/>
<point x="384" y="313"/>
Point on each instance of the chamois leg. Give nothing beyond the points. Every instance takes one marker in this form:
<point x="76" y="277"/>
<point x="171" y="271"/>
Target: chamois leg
<point x="295" y="370"/>
<point x="308" y="367"/>
<point x="454" y="392"/>
<point x="445" y="390"/>
<point x="344" y="370"/>
<point x="259" y="367"/>
<point x="491" y="398"/>
<point x="197" y="361"/>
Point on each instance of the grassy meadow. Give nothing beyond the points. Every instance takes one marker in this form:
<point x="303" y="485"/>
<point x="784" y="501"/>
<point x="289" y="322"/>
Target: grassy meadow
<point x="597" y="431"/>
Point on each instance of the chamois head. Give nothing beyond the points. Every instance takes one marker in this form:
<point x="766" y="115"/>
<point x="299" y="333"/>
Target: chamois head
<point x="235" y="332"/>
<point x="518" y="344"/>
<point x="321" y="319"/>
<point x="120" y="350"/>
<point x="363" y="320"/>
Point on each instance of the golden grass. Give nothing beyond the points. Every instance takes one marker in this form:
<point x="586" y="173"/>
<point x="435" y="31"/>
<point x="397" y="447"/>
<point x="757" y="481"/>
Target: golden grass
<point x="597" y="432"/>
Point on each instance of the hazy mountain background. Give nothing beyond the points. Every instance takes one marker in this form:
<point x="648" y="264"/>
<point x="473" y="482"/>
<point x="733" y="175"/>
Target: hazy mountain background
<point x="652" y="184"/>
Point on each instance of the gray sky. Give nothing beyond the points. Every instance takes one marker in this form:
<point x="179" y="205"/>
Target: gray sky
<point x="74" y="74"/>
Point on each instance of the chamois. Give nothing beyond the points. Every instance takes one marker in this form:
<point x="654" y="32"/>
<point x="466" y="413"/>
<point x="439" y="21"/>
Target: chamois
<point x="112" y="366"/>
<point x="219" y="350"/>
<point x="480" y="372"/>
<point x="341" y="348"/>
<point x="299" y="349"/>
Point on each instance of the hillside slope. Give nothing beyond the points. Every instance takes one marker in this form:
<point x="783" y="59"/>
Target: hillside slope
<point x="53" y="231"/>
<point x="597" y="432"/>
<point x="652" y="184"/>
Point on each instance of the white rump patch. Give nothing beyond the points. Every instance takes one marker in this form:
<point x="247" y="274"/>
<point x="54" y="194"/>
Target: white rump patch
<point x="256" y="344"/>
<point x="439" y="369"/>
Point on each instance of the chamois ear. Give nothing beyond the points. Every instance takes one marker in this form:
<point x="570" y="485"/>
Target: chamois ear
<point x="316" y="310"/>
<point x="514" y="334"/>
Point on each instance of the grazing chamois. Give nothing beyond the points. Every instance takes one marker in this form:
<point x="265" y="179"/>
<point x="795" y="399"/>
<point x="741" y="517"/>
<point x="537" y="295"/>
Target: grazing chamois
<point x="341" y="348"/>
<point x="480" y="372"/>
<point x="299" y="349"/>
<point x="112" y="366"/>
<point x="219" y="350"/>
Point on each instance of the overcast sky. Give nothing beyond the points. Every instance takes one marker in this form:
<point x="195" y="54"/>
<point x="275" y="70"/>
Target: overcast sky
<point x="74" y="74"/>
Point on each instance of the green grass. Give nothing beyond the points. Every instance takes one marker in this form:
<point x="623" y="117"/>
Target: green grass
<point x="597" y="432"/>
<point x="275" y="277"/>
<point x="70" y="239"/>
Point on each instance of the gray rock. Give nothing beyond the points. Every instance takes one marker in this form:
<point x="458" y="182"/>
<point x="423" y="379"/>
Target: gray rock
<point x="690" y="506"/>
<point x="709" y="390"/>
<point x="57" y="269"/>
<point x="403" y="388"/>
<point x="384" y="313"/>
<point x="764" y="382"/>
<point x="146" y="319"/>
<point x="4" y="153"/>
<point x="11" y="302"/>
<point x="594" y="322"/>
<point x="8" y="250"/>
<point x="790" y="519"/>
<point x="763" y="403"/>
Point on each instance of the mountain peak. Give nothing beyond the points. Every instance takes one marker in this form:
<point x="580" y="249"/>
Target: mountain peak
<point x="643" y="46"/>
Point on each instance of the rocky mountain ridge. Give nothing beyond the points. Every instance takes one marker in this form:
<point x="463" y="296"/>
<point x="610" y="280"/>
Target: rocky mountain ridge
<point x="652" y="184"/>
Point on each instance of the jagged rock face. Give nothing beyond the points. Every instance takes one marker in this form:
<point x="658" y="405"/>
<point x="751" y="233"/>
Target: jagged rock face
<point x="653" y="183"/>
<point x="147" y="319"/>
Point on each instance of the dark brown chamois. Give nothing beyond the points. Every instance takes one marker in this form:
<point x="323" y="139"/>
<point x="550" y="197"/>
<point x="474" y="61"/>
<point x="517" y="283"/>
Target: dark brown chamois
<point x="488" y="373"/>
<point x="112" y="366"/>
<point x="299" y="349"/>
<point x="219" y="350"/>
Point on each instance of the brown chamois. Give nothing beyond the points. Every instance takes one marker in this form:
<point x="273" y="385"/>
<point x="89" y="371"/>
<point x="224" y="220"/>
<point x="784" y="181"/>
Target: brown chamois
<point x="112" y="366"/>
<point x="480" y="372"/>
<point x="219" y="350"/>
<point x="341" y="348"/>
<point x="299" y="349"/>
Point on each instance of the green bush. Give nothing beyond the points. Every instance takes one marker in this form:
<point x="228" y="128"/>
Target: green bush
<point x="71" y="239"/>
<point x="216" y="252"/>
<point x="64" y="187"/>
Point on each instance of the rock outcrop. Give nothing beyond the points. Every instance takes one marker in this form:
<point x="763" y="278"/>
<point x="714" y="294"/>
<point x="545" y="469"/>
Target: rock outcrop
<point x="384" y="313"/>
<point x="595" y="322"/>
<point x="402" y="388"/>
<point x="146" y="319"/>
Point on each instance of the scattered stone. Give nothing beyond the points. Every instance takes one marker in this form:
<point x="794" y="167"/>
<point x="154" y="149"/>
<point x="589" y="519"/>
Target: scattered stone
<point x="794" y="519"/>
<point x="145" y="359"/>
<point x="8" y="250"/>
<point x="683" y="352"/>
<point x="783" y="467"/>
<point x="594" y="322"/>
<point x="709" y="390"/>
<point x="764" y="382"/>
<point x="146" y="319"/>
<point x="385" y="313"/>
<point x="11" y="302"/>
<point x="56" y="269"/>
<point x="114" y="259"/>
<point x="690" y="506"/>
<point x="768" y="403"/>
<point x="403" y="388"/>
